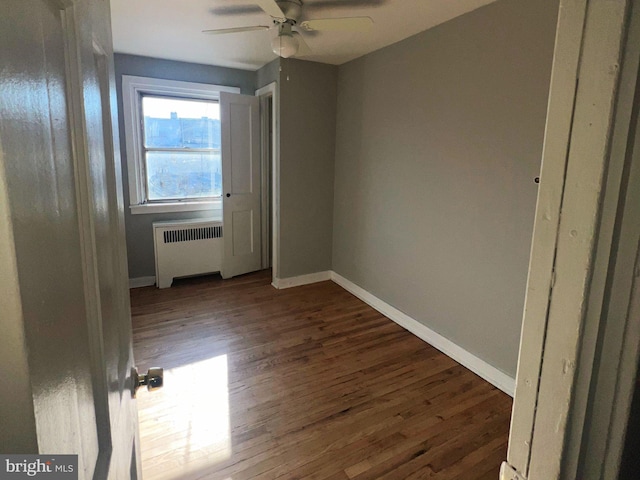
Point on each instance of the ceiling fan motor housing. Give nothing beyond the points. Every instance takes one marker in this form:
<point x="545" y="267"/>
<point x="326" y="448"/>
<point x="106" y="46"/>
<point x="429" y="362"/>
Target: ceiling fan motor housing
<point x="292" y="9"/>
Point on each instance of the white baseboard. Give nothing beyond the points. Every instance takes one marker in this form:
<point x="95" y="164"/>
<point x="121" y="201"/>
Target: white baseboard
<point x="281" y="283"/>
<point x="142" y="282"/>
<point x="491" y="374"/>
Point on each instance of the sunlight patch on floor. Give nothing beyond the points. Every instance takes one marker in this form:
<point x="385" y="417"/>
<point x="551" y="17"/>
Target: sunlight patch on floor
<point x="195" y="400"/>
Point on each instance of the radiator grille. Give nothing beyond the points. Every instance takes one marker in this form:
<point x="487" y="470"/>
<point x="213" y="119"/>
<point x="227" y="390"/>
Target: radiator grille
<point x="190" y="234"/>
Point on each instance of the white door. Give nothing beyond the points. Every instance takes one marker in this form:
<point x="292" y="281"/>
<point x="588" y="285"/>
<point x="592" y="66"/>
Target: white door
<point x="67" y="352"/>
<point x="240" y="117"/>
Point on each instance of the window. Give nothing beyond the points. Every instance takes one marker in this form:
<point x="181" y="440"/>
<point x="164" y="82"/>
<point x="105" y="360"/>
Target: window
<point x="181" y="143"/>
<point x="173" y="153"/>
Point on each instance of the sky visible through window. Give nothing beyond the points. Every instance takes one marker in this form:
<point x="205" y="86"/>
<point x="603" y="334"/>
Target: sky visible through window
<point x="161" y="107"/>
<point x="173" y="129"/>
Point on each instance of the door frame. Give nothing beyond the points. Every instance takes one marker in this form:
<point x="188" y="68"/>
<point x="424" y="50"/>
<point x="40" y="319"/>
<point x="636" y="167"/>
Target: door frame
<point x="271" y="90"/>
<point x="579" y="347"/>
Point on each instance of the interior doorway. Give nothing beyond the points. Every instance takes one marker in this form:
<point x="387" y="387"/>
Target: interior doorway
<point x="270" y="163"/>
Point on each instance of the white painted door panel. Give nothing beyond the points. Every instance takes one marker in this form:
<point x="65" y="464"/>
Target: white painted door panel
<point x="62" y="197"/>
<point x="241" y="184"/>
<point x="37" y="160"/>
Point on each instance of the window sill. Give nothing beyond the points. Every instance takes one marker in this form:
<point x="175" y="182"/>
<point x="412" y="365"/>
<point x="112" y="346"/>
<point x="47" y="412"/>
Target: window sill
<point x="175" y="207"/>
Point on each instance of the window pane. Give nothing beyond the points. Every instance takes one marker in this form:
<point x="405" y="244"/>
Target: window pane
<point x="179" y="123"/>
<point x="180" y="175"/>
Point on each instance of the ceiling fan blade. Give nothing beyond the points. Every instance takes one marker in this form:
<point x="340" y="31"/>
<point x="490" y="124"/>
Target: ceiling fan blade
<point x="272" y="8"/>
<point x="326" y="4"/>
<point x="236" y="10"/>
<point x="347" y="24"/>
<point x="222" y="31"/>
<point x="303" y="47"/>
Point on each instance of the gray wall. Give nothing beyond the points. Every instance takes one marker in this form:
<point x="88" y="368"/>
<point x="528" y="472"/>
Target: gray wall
<point x="307" y="149"/>
<point x="268" y="74"/>
<point x="439" y="138"/>
<point x="139" y="233"/>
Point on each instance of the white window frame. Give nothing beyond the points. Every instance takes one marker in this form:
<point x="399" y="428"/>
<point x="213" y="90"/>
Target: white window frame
<point x="133" y="88"/>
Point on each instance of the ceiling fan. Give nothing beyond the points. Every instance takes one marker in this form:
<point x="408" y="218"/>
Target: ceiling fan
<point x="285" y="15"/>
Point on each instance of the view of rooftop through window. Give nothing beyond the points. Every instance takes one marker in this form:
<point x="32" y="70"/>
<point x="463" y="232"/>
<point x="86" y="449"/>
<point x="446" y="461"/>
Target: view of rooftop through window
<point x="182" y="148"/>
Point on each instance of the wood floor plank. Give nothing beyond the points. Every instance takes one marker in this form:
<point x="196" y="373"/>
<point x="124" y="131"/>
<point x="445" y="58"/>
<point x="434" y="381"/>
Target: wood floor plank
<point x="303" y="383"/>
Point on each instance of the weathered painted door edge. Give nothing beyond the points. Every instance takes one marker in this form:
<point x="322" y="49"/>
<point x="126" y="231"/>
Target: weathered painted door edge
<point x="543" y="248"/>
<point x="576" y="233"/>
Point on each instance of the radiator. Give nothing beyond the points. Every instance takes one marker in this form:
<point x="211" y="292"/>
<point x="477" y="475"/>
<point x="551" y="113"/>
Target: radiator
<point x="186" y="247"/>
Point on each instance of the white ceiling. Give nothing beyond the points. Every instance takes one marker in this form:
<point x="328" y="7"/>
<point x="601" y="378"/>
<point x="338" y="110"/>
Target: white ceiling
<point x="171" y="29"/>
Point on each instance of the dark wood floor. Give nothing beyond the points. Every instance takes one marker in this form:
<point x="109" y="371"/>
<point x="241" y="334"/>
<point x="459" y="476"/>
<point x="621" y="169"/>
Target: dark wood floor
<point x="308" y="383"/>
